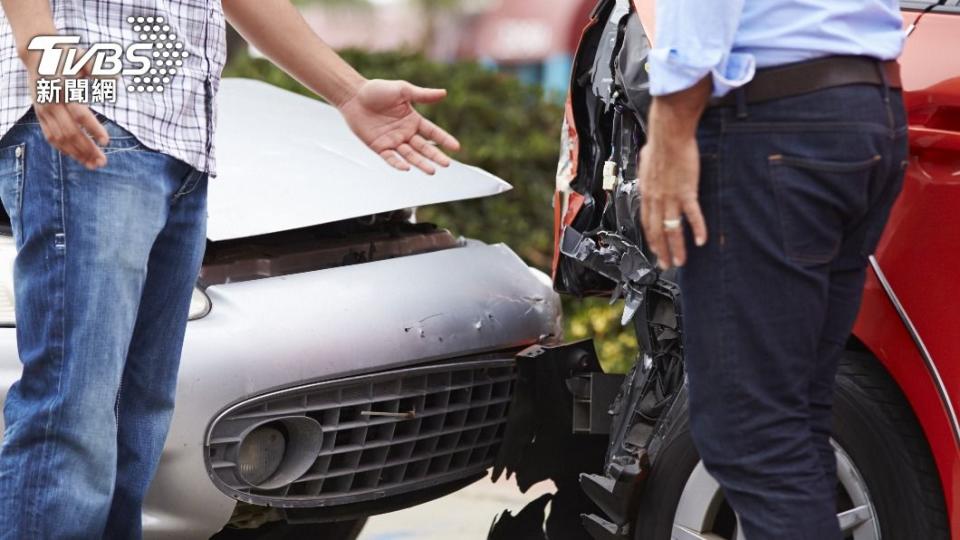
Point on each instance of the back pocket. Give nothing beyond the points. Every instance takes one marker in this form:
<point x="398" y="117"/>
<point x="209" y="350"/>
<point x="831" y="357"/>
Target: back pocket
<point x="815" y="201"/>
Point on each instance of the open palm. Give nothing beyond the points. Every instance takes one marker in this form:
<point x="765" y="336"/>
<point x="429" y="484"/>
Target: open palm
<point x="381" y="114"/>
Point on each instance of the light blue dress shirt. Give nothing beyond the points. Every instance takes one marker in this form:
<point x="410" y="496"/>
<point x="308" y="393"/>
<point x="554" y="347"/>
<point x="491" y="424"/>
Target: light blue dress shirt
<point x="731" y="39"/>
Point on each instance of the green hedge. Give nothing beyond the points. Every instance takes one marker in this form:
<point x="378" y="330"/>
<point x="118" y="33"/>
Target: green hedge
<point x="509" y="129"/>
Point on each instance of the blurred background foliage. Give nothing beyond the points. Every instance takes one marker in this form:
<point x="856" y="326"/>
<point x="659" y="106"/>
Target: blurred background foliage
<point x="509" y="129"/>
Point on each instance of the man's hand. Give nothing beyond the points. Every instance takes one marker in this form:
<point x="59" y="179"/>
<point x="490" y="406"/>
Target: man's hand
<point x="381" y="114"/>
<point x="69" y="127"/>
<point x="669" y="174"/>
<point x="669" y="177"/>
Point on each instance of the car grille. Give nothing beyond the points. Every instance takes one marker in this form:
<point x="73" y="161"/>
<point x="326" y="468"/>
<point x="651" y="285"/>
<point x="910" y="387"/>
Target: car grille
<point x="383" y="434"/>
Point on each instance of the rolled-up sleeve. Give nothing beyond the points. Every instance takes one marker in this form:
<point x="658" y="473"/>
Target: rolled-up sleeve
<point x="694" y="39"/>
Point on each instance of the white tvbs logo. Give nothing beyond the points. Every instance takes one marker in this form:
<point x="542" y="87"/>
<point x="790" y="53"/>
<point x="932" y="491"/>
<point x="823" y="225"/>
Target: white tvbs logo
<point x="145" y="66"/>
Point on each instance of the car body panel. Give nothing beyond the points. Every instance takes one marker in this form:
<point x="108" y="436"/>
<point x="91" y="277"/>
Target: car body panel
<point x="920" y="241"/>
<point x="327" y="174"/>
<point x="278" y="332"/>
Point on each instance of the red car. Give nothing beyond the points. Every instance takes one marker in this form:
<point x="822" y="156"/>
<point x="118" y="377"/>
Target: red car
<point x="896" y="430"/>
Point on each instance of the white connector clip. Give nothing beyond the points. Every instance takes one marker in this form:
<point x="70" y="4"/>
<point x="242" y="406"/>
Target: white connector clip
<point x="610" y="173"/>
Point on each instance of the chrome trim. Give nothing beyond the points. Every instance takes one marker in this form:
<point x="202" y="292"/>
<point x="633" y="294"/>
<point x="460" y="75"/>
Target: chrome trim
<point x="921" y="347"/>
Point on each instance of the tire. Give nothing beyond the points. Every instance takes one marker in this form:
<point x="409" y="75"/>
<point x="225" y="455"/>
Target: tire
<point x="876" y="430"/>
<point x="279" y="530"/>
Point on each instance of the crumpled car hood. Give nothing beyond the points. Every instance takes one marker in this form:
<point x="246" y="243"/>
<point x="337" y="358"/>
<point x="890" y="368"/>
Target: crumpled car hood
<point x="286" y="162"/>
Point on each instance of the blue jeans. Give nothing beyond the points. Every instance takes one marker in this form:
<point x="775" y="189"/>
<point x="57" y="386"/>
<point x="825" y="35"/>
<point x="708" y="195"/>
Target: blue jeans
<point x="796" y="193"/>
<point x="106" y="265"/>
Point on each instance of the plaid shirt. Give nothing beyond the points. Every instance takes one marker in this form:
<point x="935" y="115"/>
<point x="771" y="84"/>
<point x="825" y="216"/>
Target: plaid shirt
<point x="179" y="120"/>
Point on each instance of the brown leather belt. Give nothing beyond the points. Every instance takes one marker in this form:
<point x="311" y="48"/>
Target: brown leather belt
<point x="812" y="75"/>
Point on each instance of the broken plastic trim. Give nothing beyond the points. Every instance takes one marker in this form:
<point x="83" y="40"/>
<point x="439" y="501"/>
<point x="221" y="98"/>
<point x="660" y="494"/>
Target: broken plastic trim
<point x="539" y="443"/>
<point x="642" y="414"/>
<point x="616" y="258"/>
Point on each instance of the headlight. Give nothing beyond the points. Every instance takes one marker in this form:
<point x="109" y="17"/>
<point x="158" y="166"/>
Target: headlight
<point x="199" y="302"/>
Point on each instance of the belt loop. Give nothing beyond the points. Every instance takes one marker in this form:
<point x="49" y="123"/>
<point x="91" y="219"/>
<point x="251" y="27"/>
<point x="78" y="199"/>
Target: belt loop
<point x="885" y="80"/>
<point x="741" y="97"/>
<point x="886" y="97"/>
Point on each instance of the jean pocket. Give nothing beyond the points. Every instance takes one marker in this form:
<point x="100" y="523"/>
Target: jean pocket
<point x="121" y="140"/>
<point x="12" y="159"/>
<point x="815" y="200"/>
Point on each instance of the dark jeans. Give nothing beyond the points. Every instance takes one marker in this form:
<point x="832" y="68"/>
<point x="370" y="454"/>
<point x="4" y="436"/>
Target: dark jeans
<point x="106" y="265"/>
<point x="796" y="193"/>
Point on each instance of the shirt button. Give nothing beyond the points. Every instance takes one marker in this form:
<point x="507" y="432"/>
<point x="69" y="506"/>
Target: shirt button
<point x="19" y="151"/>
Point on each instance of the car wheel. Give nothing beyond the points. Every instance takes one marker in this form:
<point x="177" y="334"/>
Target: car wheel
<point x="280" y="530"/>
<point x="888" y="485"/>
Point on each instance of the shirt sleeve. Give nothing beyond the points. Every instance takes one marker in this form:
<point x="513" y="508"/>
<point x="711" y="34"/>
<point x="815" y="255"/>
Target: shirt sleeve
<point x="694" y="38"/>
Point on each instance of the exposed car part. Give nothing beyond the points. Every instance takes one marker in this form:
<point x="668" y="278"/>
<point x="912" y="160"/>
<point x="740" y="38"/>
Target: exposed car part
<point x="372" y="437"/>
<point x="539" y="443"/>
<point x="642" y="413"/>
<point x="602" y="250"/>
<point x="875" y="432"/>
<point x="592" y="395"/>
<point x="295" y="164"/>
<point x="598" y="195"/>
<point x="320" y="247"/>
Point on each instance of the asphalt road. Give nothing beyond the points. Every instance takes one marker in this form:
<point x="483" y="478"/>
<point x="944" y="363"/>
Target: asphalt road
<point x="464" y="515"/>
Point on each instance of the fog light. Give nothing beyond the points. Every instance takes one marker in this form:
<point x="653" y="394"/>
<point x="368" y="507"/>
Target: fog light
<point x="277" y="453"/>
<point x="261" y="453"/>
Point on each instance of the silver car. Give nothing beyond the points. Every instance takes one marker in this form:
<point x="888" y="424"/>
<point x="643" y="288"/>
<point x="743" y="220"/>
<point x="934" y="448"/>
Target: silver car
<point x="342" y="359"/>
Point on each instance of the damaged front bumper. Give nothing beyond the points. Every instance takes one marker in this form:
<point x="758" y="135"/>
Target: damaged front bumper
<point x="595" y="435"/>
<point x="601" y="250"/>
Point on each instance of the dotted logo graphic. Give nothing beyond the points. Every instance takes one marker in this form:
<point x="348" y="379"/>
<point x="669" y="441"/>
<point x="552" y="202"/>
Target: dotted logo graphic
<point x="166" y="57"/>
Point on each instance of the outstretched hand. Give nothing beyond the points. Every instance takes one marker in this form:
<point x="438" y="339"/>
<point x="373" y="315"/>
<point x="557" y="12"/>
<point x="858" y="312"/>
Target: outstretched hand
<point x="381" y="114"/>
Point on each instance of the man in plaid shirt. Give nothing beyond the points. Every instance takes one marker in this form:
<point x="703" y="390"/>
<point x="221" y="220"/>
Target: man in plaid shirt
<point x="107" y="207"/>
